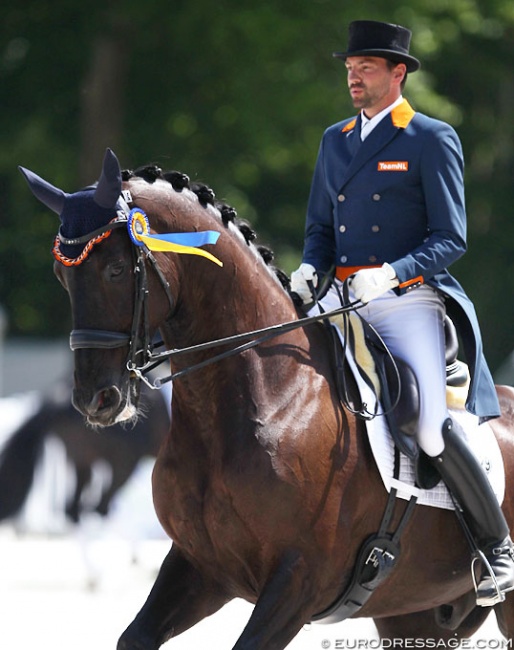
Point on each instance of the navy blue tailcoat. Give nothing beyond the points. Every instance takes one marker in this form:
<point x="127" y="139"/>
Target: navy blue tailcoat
<point x="398" y="197"/>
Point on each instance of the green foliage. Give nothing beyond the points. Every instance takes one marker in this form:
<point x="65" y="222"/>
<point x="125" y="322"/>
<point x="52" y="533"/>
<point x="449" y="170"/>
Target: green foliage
<point x="237" y="94"/>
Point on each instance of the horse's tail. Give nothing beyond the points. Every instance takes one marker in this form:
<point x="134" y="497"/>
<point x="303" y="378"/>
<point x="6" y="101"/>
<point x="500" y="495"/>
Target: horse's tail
<point x="18" y="460"/>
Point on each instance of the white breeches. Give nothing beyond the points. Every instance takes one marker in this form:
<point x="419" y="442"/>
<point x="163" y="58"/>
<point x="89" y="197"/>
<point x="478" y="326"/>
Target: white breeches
<point x="412" y="326"/>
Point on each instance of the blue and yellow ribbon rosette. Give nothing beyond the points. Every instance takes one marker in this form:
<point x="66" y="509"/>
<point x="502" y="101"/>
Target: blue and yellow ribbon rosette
<point x="183" y="242"/>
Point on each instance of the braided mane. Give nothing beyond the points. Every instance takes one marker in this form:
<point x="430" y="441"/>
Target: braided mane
<point x="206" y="196"/>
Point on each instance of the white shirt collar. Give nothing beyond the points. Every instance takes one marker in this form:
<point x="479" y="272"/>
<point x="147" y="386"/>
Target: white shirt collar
<point x="367" y="125"/>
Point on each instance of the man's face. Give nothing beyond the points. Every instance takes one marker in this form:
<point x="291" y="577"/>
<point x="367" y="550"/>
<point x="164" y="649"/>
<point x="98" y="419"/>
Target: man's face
<point x="373" y="83"/>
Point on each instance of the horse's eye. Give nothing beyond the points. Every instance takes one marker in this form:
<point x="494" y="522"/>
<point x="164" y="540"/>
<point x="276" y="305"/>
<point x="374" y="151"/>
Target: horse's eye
<point x="116" y="270"/>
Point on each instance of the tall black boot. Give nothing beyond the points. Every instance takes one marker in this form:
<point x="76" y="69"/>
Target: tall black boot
<point x="468" y="483"/>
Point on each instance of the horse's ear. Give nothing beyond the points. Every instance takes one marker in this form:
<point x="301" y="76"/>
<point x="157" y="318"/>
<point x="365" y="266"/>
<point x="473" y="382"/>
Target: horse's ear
<point x="51" y="196"/>
<point x="108" y="189"/>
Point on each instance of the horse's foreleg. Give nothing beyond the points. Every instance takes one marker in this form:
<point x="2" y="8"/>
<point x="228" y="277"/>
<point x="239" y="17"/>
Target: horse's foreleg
<point x="180" y="597"/>
<point x="120" y="475"/>
<point x="73" y="508"/>
<point x="283" y="607"/>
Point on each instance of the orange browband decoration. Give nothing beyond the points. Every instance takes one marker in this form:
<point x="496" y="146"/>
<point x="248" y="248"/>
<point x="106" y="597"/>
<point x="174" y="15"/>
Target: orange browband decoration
<point x="75" y="261"/>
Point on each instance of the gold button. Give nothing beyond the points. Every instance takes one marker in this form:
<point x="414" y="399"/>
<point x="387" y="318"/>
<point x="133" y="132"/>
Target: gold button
<point x="375" y="228"/>
<point x="376" y="197"/>
<point x="341" y="198"/>
<point x="372" y="259"/>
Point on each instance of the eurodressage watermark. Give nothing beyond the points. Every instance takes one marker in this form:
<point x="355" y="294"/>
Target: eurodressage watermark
<point x="416" y="644"/>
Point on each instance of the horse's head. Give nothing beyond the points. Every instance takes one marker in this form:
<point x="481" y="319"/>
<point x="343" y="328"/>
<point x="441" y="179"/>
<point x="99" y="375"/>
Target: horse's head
<point x="107" y="290"/>
<point x="121" y="293"/>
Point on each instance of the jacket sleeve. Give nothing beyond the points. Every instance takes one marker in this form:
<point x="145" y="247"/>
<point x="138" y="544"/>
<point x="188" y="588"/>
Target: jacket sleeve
<point x="442" y="179"/>
<point x="319" y="243"/>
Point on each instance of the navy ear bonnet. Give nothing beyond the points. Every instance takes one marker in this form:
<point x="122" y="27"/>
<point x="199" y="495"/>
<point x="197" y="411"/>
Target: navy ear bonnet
<point x="81" y="215"/>
<point x="82" y="212"/>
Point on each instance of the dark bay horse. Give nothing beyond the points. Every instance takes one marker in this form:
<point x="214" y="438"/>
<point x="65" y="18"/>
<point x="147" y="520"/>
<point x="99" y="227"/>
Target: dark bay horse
<point x="266" y="484"/>
<point x="121" y="447"/>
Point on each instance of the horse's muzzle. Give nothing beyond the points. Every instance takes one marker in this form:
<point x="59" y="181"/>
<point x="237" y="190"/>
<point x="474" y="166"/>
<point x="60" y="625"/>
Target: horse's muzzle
<point x="106" y="407"/>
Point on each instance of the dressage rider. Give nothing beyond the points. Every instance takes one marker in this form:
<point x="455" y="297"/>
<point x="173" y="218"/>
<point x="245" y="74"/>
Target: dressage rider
<point x="387" y="210"/>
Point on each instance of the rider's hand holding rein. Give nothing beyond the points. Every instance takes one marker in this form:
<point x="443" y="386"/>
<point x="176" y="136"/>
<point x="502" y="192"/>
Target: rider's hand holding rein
<point x="368" y="284"/>
<point x="303" y="280"/>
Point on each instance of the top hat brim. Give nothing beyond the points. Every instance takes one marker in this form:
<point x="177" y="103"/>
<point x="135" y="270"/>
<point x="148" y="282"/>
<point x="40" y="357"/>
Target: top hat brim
<point x="391" y="55"/>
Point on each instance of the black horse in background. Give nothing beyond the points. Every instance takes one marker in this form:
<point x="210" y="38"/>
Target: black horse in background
<point x="121" y="447"/>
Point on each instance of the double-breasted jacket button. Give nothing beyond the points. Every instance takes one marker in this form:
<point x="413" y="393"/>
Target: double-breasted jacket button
<point x="376" y="197"/>
<point x="372" y="258"/>
<point x="341" y="198"/>
<point x="342" y="228"/>
<point x="375" y="228"/>
<point x="343" y="258"/>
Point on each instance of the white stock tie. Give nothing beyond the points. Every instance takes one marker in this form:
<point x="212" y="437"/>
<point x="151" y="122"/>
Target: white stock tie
<point x="365" y="130"/>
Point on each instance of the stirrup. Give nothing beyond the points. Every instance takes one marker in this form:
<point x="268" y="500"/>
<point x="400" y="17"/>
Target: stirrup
<point x="499" y="596"/>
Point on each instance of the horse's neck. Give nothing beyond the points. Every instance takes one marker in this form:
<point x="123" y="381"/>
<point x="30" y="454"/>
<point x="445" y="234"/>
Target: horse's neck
<point x="227" y="394"/>
<point x="242" y="296"/>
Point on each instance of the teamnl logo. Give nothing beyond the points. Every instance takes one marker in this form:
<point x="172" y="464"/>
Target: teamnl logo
<point x="416" y="644"/>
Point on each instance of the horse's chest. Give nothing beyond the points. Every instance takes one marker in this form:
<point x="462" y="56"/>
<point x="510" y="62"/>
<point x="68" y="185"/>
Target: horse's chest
<point x="193" y="508"/>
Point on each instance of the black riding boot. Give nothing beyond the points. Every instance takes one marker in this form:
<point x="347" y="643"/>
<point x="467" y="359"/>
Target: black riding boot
<point x="466" y="480"/>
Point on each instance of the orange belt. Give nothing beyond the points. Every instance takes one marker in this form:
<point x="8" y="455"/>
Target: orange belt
<point x="343" y="272"/>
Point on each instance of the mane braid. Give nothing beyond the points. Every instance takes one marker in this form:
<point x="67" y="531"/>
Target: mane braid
<point x="206" y="196"/>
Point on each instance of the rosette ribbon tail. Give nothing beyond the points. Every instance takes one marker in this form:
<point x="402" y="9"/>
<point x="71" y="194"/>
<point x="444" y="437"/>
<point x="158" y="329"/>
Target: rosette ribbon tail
<point x="184" y="242"/>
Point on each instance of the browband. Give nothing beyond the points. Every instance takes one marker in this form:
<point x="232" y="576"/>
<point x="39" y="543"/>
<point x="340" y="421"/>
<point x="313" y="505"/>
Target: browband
<point x="119" y="221"/>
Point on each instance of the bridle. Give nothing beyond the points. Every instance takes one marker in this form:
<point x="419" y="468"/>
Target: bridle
<point x="142" y="359"/>
<point x="142" y="347"/>
<point x="139" y="339"/>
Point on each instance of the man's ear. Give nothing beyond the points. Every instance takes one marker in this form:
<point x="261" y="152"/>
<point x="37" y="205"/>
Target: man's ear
<point x="400" y="72"/>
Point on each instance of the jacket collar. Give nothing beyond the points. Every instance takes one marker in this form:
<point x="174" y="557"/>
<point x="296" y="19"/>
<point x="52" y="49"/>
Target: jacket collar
<point x="401" y="116"/>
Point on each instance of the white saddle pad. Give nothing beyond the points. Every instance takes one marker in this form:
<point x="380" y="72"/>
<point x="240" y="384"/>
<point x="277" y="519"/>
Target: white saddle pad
<point x="480" y="438"/>
<point x="481" y="441"/>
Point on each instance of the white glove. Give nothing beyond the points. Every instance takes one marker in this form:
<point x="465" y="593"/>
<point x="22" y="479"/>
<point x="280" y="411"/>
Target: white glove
<point x="372" y="283"/>
<point x="299" y="278"/>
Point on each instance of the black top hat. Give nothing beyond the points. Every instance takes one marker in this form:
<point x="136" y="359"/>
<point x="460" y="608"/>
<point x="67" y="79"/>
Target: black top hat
<point x="372" y="38"/>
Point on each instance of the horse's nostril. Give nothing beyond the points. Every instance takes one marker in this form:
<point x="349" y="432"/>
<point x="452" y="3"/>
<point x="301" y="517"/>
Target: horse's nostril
<point x="104" y="405"/>
<point x="108" y="399"/>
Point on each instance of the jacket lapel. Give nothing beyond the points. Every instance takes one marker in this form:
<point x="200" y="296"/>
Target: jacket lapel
<point x="382" y="134"/>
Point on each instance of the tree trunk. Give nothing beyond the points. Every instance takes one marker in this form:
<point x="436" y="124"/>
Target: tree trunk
<point x="103" y="102"/>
